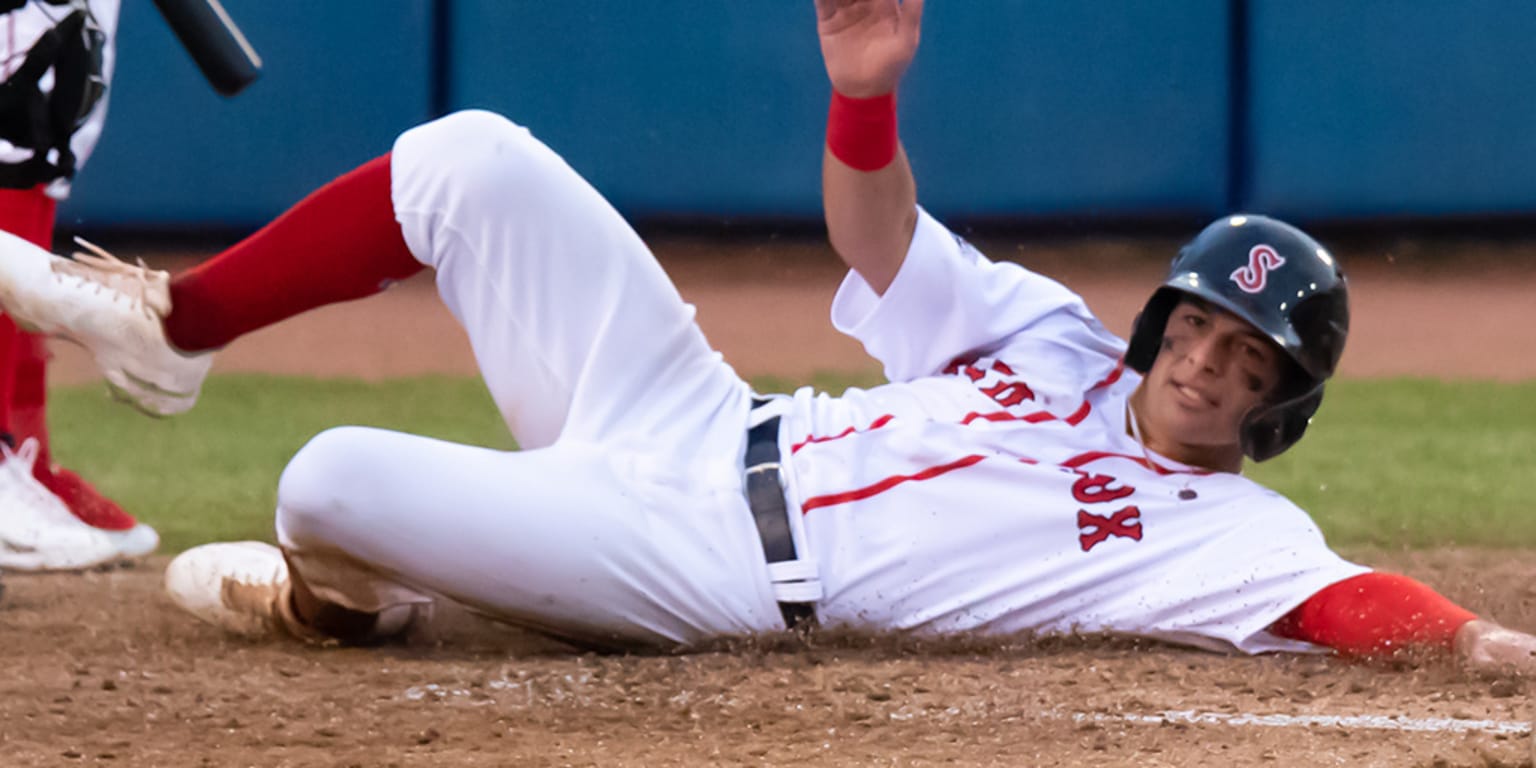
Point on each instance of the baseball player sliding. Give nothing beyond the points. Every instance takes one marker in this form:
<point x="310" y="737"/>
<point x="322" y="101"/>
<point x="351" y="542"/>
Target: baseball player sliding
<point x="1023" y="471"/>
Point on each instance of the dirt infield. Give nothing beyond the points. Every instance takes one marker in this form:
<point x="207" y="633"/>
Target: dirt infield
<point x="104" y="672"/>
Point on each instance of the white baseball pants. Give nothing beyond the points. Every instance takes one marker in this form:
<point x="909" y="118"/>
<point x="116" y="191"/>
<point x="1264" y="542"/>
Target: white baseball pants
<point x="623" y="517"/>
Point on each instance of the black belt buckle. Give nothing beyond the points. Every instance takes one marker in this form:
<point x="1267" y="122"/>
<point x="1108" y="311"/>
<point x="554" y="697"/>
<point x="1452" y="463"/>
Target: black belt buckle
<point x="765" y="497"/>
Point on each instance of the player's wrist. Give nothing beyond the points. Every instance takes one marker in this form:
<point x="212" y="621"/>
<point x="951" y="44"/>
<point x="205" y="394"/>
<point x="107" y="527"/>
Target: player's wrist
<point x="1489" y="648"/>
<point x="861" y="132"/>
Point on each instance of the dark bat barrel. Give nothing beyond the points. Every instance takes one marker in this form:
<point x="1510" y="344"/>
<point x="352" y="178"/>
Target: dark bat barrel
<point x="217" y="46"/>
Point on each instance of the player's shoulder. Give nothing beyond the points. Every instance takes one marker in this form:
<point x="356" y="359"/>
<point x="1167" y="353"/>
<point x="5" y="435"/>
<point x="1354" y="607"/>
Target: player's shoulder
<point x="1244" y="486"/>
<point x="1261" y="507"/>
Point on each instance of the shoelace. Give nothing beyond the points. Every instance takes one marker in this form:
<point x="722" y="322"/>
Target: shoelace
<point x="19" y="463"/>
<point x="26" y="454"/>
<point x="101" y="271"/>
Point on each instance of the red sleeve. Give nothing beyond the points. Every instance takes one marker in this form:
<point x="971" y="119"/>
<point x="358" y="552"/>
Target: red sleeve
<point x="1375" y="613"/>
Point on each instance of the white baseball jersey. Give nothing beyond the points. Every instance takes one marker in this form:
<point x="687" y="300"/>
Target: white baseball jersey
<point x="20" y="30"/>
<point x="993" y="486"/>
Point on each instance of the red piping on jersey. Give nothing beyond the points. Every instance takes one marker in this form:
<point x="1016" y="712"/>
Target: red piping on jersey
<point x="1033" y="418"/>
<point x="1074" y="419"/>
<point x="1088" y="458"/>
<point x="1113" y="376"/>
<point x="833" y="499"/>
<point x="1081" y="413"/>
<point x="1006" y="416"/>
<point x="876" y="424"/>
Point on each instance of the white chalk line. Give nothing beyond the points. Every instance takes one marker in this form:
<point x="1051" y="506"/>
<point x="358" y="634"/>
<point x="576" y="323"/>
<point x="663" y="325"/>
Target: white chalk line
<point x="1372" y="722"/>
<point x="433" y="691"/>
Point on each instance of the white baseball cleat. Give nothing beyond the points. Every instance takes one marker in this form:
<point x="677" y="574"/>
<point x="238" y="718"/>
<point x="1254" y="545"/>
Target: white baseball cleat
<point x="133" y="539"/>
<point x="38" y="532"/>
<point x="234" y="586"/>
<point x="136" y="542"/>
<point x="112" y="309"/>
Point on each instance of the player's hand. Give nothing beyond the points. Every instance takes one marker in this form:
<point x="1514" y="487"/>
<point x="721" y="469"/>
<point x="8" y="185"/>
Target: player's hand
<point x="867" y="44"/>
<point x="1487" y="648"/>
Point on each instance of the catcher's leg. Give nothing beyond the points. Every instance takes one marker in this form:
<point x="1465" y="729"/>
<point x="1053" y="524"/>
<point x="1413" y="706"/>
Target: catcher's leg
<point x="28" y="214"/>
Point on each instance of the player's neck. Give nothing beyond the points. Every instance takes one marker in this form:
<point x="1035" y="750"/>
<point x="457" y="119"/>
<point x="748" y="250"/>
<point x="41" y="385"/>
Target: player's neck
<point x="1218" y="458"/>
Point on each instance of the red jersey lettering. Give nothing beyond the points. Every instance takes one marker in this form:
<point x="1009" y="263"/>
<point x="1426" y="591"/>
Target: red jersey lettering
<point x="1125" y="523"/>
<point x="966" y="366"/>
<point x="1094" y="489"/>
<point x="1009" y="393"/>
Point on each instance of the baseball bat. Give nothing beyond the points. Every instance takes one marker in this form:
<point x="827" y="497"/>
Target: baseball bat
<point x="215" y="43"/>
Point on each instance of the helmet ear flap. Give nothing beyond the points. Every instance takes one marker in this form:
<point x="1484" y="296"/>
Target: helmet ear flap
<point x="1269" y="430"/>
<point x="1147" y="330"/>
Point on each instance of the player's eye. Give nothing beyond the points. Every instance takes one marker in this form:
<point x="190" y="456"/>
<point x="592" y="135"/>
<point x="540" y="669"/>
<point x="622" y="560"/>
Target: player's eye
<point x="1255" y="384"/>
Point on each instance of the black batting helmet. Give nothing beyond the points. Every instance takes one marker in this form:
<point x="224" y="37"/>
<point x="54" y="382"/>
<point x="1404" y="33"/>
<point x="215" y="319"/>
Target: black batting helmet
<point x="1283" y="283"/>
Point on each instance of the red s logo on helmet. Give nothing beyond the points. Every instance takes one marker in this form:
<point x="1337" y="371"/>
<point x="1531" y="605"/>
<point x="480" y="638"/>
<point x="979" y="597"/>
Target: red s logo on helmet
<point x="1262" y="260"/>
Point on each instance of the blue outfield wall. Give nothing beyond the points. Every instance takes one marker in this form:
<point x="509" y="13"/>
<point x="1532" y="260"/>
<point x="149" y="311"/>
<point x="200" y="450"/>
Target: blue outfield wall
<point x="340" y="81"/>
<point x="1015" y="108"/>
<point x="1037" y="107"/>
<point x="1049" y="108"/>
<point x="669" y="106"/>
<point x="675" y="107"/>
<point x="1374" y="108"/>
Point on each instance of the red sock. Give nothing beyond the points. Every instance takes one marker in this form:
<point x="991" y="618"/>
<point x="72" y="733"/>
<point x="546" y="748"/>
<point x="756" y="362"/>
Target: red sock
<point x="29" y="419"/>
<point x="28" y="214"/>
<point x="29" y="395"/>
<point x="340" y="243"/>
<point x="11" y="337"/>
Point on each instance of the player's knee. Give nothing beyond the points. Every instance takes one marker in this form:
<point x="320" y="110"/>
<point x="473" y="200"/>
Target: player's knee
<point x="471" y="126"/>
<point x="483" y="153"/>
<point x="325" y="474"/>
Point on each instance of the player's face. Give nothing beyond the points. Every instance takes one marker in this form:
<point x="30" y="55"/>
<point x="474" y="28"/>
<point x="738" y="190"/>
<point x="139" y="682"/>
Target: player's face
<point x="1212" y="370"/>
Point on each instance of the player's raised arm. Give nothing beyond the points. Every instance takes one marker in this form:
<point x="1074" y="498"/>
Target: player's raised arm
<point x="868" y="193"/>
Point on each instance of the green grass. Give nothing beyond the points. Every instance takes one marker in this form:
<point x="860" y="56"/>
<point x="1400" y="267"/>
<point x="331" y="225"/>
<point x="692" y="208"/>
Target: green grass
<point x="1387" y="463"/>
<point x="211" y="474"/>
<point x="1416" y="462"/>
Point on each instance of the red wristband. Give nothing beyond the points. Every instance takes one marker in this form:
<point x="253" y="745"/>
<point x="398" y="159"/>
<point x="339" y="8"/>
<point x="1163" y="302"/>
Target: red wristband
<point x="862" y="132"/>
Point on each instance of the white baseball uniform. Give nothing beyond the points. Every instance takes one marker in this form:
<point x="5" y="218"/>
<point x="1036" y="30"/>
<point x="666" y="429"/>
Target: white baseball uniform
<point x="20" y="31"/>
<point x="991" y="488"/>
